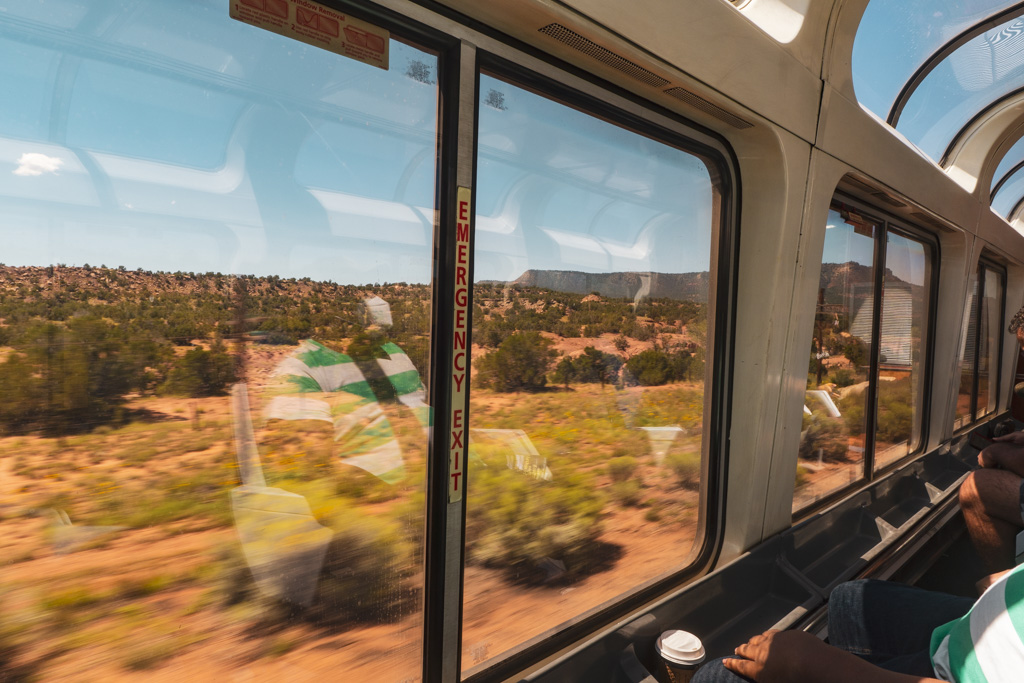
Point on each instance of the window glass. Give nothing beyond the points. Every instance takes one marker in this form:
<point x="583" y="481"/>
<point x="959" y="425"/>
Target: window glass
<point x="895" y="37"/>
<point x="901" y="347"/>
<point x="978" y="73"/>
<point x="214" y="341"/>
<point x="1009" y="194"/>
<point x="593" y="253"/>
<point x="965" y="393"/>
<point x="1012" y="157"/>
<point x="991" y="338"/>
<point x="832" y="437"/>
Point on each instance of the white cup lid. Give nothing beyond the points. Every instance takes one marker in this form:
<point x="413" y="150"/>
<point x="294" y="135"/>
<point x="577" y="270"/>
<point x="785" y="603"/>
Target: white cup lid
<point x="681" y="647"/>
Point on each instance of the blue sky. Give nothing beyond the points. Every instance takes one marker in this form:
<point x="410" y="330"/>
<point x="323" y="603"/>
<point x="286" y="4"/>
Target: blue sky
<point x="190" y="141"/>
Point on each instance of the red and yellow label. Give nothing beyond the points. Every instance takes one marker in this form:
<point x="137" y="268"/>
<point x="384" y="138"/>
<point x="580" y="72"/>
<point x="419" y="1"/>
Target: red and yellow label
<point x="460" y="352"/>
<point x="317" y="25"/>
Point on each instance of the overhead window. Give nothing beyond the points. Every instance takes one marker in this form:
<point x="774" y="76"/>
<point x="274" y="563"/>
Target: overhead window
<point x="864" y="403"/>
<point x="981" y="350"/>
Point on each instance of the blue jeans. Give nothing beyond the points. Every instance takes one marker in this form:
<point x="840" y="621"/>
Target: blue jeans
<point x="887" y="624"/>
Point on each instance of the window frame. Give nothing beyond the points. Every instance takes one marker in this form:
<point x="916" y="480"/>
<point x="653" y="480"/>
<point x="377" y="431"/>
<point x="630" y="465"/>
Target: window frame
<point x="675" y="131"/>
<point x="985" y="264"/>
<point x="886" y="223"/>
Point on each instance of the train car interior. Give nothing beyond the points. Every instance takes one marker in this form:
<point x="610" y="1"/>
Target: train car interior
<point x="449" y="340"/>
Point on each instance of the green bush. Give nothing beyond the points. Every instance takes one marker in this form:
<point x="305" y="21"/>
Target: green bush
<point x="826" y="434"/>
<point x="650" y="367"/>
<point x="685" y="466"/>
<point x="627" y="492"/>
<point x="202" y="373"/>
<point x="843" y="377"/>
<point x="365" y="574"/>
<point x="523" y="525"/>
<point x="622" y="468"/>
<point x="520" y="363"/>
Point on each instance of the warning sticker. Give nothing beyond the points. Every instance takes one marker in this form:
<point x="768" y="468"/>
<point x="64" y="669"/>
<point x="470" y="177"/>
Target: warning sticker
<point x="460" y="353"/>
<point x="317" y="25"/>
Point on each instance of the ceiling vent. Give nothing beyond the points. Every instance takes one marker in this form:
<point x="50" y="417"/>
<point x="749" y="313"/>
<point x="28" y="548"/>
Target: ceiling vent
<point x="877" y="194"/>
<point x="589" y="47"/>
<point x="698" y="102"/>
<point x="928" y="220"/>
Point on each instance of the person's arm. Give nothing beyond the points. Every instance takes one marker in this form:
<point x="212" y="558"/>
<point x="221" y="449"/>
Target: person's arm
<point x="1003" y="458"/>
<point x="983" y="583"/>
<point x="799" y="657"/>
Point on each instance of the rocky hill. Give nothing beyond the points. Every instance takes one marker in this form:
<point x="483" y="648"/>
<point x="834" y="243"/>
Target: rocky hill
<point x="681" y="286"/>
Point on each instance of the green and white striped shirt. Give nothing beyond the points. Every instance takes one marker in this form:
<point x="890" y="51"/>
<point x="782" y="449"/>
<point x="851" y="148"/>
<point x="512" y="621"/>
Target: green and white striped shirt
<point x="986" y="645"/>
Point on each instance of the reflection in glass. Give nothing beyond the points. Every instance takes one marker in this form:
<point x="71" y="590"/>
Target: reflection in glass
<point x="832" y="438"/>
<point x="988" y="349"/>
<point x="214" y="332"/>
<point x="593" y="252"/>
<point x="965" y="392"/>
<point x="901" y="347"/>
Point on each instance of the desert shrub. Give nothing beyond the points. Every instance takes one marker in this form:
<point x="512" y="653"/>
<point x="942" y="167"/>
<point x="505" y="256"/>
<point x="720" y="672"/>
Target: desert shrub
<point x="650" y="367"/>
<point x="685" y="466"/>
<point x="520" y="363"/>
<point x="802" y="478"/>
<point x="826" y="434"/>
<point x="843" y="377"/>
<point x="202" y="372"/>
<point x="523" y="524"/>
<point x="895" y="411"/>
<point x="852" y="408"/>
<point x="364" y="578"/>
<point x="66" y="378"/>
<point x="627" y="492"/>
<point x="622" y="468"/>
<point x="856" y="351"/>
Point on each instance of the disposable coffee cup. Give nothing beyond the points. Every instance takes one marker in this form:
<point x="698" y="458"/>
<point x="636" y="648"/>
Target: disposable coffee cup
<point x="681" y="655"/>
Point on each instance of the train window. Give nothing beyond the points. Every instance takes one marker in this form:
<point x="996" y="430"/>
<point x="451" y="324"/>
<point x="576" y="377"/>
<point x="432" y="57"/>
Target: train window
<point x="215" y="307"/>
<point x="593" y="262"/>
<point x="865" y="383"/>
<point x="981" y="350"/>
<point x="902" y="340"/>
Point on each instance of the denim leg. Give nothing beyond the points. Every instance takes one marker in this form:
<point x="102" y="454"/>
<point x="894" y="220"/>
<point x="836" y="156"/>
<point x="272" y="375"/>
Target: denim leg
<point x="715" y="672"/>
<point x="881" y="620"/>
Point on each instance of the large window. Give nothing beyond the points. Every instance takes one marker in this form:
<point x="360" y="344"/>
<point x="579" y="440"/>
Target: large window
<point x="981" y="346"/>
<point x="864" y="398"/>
<point x="593" y="296"/>
<point x="215" y="297"/>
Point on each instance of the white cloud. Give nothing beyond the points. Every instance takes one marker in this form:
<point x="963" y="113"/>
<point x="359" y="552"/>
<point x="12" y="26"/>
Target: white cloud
<point x="34" y="163"/>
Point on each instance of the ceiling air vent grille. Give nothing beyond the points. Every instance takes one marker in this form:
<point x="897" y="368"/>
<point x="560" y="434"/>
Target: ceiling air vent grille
<point x="877" y="194"/>
<point x="698" y="102"/>
<point x="589" y="47"/>
<point x="928" y="220"/>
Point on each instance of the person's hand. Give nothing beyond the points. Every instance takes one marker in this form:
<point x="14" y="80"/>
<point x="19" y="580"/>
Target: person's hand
<point x="779" y="656"/>
<point x="1016" y="438"/>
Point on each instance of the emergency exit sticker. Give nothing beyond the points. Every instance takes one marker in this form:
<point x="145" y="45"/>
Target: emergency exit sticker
<point x="317" y="25"/>
<point x="460" y="353"/>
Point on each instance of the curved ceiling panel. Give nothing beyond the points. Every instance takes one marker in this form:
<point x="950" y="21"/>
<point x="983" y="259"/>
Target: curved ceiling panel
<point x="897" y="36"/>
